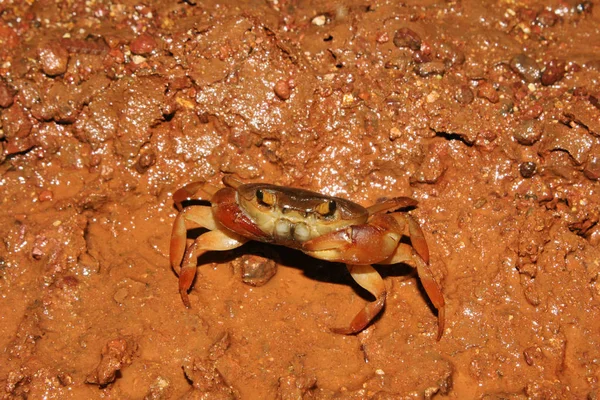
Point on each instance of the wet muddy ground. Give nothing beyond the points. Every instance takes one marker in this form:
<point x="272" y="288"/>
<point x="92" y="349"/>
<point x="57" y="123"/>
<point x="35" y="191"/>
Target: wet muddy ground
<point x="488" y="113"/>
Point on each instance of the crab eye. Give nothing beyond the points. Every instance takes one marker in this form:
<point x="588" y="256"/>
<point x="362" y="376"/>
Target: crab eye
<point x="327" y="208"/>
<point x="265" y="198"/>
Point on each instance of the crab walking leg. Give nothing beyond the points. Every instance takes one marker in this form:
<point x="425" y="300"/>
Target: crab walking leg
<point x="391" y="204"/>
<point x="415" y="233"/>
<point x="196" y="216"/>
<point x="407" y="254"/>
<point x="417" y="238"/>
<point x="368" y="278"/>
<point x="209" y="241"/>
<point x="433" y="292"/>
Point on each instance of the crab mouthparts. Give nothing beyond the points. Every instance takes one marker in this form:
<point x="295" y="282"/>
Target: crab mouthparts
<point x="288" y="230"/>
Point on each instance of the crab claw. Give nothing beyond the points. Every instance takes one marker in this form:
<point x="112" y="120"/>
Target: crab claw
<point x="209" y="241"/>
<point x="194" y="190"/>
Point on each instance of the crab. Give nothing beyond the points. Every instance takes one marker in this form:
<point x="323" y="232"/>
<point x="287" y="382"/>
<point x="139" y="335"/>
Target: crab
<point x="323" y="227"/>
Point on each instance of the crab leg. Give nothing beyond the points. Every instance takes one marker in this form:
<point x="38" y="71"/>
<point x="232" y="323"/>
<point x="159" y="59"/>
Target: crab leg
<point x="369" y="279"/>
<point x="210" y="241"/>
<point x="417" y="238"/>
<point x="391" y="205"/>
<point x="407" y="254"/>
<point x="196" y="216"/>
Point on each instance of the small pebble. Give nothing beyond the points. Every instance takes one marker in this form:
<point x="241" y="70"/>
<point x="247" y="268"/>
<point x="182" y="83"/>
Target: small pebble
<point x="526" y="67"/>
<point x="204" y="118"/>
<point x="554" y="72"/>
<point x="257" y="270"/>
<point x="382" y="37"/>
<point x="145" y="161"/>
<point x="533" y="111"/>
<point x="37" y="253"/>
<point x="527" y="169"/>
<point x="595" y="100"/>
<point x="584" y="7"/>
<point x="580" y="91"/>
<point x="546" y="18"/>
<point x="432" y="97"/>
<point x="7" y="95"/>
<point x="430" y="68"/>
<point x="53" y="58"/>
<point x="421" y="56"/>
<point x="487" y="135"/>
<point x="319" y="20"/>
<point x="45" y="195"/>
<point x="405" y="37"/>
<point x="526" y="14"/>
<point x="593" y="235"/>
<point x="464" y="95"/>
<point x="593" y="65"/>
<point x="592" y="168"/>
<point x="527" y="133"/>
<point x="143" y="44"/>
<point x="137" y="60"/>
<point x="486" y="90"/>
<point x="450" y="54"/>
<point x="574" y="67"/>
<point x="282" y="89"/>
<point x="15" y="123"/>
<point x="395" y="133"/>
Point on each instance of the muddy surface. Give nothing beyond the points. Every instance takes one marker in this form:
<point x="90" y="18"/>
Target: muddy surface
<point x="488" y="113"/>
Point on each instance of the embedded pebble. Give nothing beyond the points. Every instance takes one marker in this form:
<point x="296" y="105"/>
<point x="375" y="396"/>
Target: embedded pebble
<point x="137" y="60"/>
<point x="7" y="95"/>
<point x="486" y="90"/>
<point x="15" y="122"/>
<point x="45" y="195"/>
<point x="405" y="37"/>
<point x="53" y="58"/>
<point x="554" y="72"/>
<point x="395" y="133"/>
<point x="580" y="91"/>
<point x="595" y="100"/>
<point x="382" y="37"/>
<point x="527" y="133"/>
<point x="450" y="54"/>
<point x="592" y="168"/>
<point x="546" y="18"/>
<point x="527" y="169"/>
<point x="430" y="68"/>
<point x="593" y="235"/>
<point x="282" y="89"/>
<point x="526" y="67"/>
<point x="145" y="161"/>
<point x="422" y="56"/>
<point x="319" y="20"/>
<point x="143" y="45"/>
<point x="532" y="112"/>
<point x="464" y="94"/>
<point x="584" y="7"/>
<point x="593" y="65"/>
<point x="37" y="253"/>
